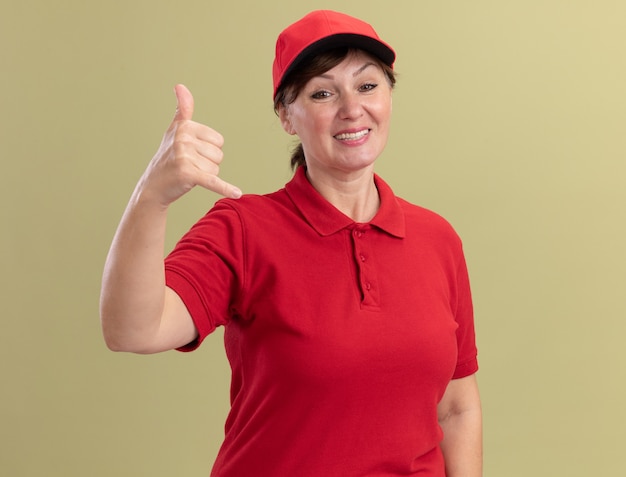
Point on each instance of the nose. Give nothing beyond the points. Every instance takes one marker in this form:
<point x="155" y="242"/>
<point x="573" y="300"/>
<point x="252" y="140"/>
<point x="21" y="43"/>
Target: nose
<point x="350" y="106"/>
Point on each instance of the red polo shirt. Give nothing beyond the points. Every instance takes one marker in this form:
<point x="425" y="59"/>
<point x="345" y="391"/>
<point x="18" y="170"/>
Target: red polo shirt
<point x="342" y="336"/>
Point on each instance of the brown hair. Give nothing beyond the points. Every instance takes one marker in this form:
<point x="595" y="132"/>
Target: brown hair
<point x="296" y="80"/>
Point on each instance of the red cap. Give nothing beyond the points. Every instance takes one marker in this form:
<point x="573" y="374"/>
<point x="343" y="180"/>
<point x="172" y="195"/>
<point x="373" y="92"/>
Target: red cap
<point x="323" y="30"/>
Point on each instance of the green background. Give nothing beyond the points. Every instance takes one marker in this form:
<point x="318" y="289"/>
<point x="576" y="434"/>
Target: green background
<point x="509" y="120"/>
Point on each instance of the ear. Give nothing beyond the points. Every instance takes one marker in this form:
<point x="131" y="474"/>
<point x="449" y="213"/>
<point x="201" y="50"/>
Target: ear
<point x="285" y="121"/>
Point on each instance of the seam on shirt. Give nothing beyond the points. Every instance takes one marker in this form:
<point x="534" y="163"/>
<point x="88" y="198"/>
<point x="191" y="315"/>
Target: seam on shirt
<point x="244" y="253"/>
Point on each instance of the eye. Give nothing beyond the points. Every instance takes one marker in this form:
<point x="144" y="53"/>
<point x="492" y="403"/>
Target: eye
<point x="321" y="94"/>
<point x="367" y="87"/>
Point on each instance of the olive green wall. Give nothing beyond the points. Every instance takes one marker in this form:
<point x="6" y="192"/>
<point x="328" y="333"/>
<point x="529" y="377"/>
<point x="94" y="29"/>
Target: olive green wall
<point x="509" y="120"/>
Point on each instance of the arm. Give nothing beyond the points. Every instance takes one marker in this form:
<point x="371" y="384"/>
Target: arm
<point x="460" y="418"/>
<point x="138" y="312"/>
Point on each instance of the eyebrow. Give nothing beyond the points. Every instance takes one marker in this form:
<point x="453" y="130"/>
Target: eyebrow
<point x="355" y="74"/>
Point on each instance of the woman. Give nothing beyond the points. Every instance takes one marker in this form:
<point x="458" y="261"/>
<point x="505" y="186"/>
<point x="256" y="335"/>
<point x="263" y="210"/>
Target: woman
<point x="347" y="311"/>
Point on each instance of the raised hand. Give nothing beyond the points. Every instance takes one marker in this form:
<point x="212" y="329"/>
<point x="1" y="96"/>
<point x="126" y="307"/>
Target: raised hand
<point x="138" y="312"/>
<point x="189" y="156"/>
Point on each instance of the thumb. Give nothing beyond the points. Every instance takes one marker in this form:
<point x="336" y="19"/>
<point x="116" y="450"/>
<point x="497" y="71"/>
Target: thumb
<point x="184" y="103"/>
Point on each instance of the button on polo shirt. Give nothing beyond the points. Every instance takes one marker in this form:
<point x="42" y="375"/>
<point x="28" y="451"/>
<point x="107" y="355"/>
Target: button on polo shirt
<point x="341" y="336"/>
<point x="367" y="272"/>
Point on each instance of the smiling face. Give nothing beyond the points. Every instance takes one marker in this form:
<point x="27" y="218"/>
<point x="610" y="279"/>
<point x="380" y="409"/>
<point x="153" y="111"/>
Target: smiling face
<point x="342" y="116"/>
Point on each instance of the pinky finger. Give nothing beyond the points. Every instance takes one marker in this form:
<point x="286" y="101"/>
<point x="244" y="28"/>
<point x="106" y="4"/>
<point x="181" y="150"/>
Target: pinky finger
<point x="215" y="184"/>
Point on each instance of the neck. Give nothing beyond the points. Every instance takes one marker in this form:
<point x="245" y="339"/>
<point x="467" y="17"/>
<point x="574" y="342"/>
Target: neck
<point x="355" y="195"/>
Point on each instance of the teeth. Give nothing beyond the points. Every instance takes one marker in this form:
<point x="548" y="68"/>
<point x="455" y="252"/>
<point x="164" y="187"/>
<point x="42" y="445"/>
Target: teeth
<point x="352" y="136"/>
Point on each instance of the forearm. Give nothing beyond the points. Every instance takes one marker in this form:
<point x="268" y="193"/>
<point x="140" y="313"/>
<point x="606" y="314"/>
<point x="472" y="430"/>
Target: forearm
<point x="462" y="443"/>
<point x="133" y="284"/>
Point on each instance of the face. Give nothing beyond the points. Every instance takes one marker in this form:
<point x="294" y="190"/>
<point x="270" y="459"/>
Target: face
<point x="342" y="116"/>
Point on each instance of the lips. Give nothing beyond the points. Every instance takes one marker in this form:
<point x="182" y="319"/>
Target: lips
<point x="352" y="136"/>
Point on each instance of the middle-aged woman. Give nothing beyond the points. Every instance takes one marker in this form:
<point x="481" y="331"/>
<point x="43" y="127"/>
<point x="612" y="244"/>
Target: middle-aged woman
<point x="347" y="311"/>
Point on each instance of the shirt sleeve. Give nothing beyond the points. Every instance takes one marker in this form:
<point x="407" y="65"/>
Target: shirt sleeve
<point x="467" y="361"/>
<point x="205" y="269"/>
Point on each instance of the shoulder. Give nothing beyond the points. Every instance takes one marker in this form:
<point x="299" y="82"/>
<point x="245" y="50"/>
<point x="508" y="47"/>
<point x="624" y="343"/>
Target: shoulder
<point x="252" y="210"/>
<point x="419" y="215"/>
<point x="423" y="221"/>
<point x="234" y="224"/>
<point x="254" y="204"/>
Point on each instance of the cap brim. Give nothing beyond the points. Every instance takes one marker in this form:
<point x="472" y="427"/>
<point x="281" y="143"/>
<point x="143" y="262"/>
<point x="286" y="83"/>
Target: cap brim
<point x="343" y="40"/>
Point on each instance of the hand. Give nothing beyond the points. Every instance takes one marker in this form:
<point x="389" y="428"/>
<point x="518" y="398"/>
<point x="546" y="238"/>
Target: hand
<point x="189" y="156"/>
